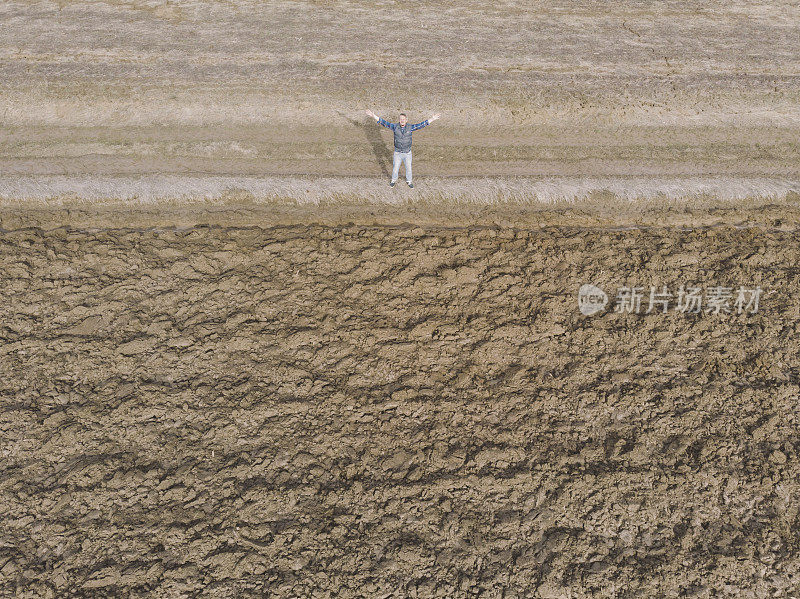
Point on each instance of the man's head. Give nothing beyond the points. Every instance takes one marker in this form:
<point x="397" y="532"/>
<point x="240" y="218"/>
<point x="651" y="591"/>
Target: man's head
<point x="403" y="119"/>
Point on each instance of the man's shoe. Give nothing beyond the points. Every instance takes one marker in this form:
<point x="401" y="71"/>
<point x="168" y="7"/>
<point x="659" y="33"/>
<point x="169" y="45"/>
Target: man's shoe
<point x="410" y="184"/>
<point x="392" y="183"/>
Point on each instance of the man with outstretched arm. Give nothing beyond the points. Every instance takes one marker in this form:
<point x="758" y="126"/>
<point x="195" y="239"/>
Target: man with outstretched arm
<point x="402" y="143"/>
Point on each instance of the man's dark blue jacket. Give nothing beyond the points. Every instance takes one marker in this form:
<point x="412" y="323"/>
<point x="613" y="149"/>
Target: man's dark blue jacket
<point x="402" y="135"/>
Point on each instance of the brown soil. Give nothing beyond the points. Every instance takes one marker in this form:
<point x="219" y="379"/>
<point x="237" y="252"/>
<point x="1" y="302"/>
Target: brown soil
<point x="308" y="410"/>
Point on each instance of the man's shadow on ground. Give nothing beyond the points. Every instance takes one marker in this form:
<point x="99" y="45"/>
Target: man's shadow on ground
<point x="372" y="132"/>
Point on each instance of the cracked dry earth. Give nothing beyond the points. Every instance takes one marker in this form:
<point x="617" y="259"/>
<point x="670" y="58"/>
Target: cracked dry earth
<point x="355" y="411"/>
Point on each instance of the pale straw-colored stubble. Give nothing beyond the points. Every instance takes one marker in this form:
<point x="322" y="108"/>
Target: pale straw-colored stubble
<point x="141" y="101"/>
<point x="154" y="190"/>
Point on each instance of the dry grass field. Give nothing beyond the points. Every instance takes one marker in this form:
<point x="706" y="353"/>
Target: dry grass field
<point x="568" y="89"/>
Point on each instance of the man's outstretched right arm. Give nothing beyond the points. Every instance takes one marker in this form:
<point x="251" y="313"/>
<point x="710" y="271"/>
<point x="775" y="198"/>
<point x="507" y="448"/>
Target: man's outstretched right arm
<point x="380" y="121"/>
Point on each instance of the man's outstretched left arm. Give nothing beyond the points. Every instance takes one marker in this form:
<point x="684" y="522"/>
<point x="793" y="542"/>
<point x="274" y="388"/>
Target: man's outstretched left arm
<point x="425" y="123"/>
